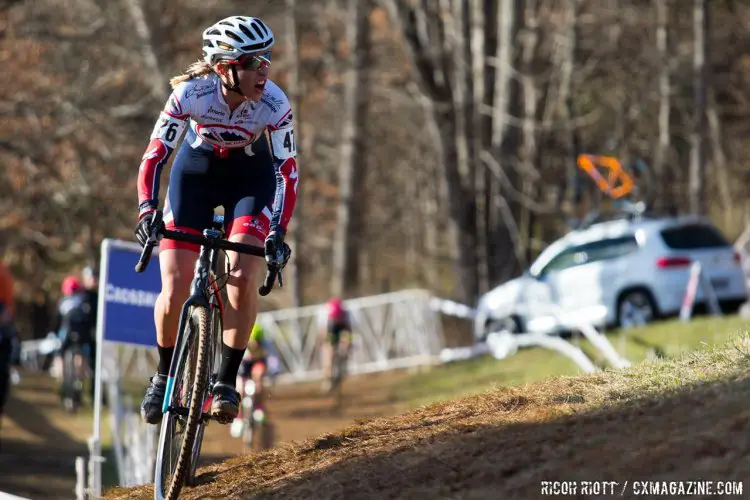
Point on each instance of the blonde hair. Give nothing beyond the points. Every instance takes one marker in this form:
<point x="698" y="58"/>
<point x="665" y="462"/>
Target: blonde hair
<point x="198" y="68"/>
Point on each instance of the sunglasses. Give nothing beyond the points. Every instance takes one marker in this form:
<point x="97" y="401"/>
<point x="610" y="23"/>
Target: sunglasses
<point x="254" y="62"/>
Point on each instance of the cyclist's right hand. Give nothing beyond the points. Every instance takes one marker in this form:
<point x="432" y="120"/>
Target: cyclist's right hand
<point x="143" y="229"/>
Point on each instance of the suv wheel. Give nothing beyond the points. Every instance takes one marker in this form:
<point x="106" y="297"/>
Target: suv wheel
<point x="510" y="324"/>
<point x="636" y="308"/>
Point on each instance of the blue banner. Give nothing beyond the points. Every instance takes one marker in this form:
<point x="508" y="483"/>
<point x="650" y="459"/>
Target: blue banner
<point x="129" y="297"/>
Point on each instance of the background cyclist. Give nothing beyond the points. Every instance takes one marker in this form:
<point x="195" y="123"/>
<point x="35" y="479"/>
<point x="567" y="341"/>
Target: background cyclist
<point x="73" y="326"/>
<point x="335" y="327"/>
<point x="254" y="365"/>
<point x="90" y="282"/>
<point x="9" y="345"/>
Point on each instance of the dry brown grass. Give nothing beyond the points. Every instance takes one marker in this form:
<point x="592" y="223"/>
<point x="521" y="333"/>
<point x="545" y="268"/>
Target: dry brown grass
<point x="679" y="419"/>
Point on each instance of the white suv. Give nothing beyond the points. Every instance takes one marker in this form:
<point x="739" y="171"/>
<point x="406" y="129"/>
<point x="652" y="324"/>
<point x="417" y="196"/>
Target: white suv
<point x="614" y="273"/>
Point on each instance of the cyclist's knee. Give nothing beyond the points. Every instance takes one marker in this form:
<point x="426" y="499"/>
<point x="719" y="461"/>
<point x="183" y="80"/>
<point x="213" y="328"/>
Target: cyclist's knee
<point x="176" y="275"/>
<point x="245" y="268"/>
<point x="242" y="278"/>
<point x="172" y="298"/>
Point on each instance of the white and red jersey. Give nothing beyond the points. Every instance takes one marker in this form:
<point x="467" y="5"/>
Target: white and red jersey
<point x="199" y="104"/>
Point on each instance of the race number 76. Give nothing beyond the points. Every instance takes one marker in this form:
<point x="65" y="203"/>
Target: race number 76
<point x="168" y="129"/>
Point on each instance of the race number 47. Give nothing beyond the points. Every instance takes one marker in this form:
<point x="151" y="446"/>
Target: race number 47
<point x="289" y="141"/>
<point x="284" y="144"/>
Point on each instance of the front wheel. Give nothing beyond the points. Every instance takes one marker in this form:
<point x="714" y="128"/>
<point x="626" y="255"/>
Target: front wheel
<point x="180" y="424"/>
<point x="248" y="434"/>
<point x="70" y="388"/>
<point x="215" y="328"/>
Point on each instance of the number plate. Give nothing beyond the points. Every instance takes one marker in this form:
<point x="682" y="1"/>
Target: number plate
<point x="720" y="283"/>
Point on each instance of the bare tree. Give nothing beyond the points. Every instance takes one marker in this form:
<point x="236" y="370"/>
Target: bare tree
<point x="530" y="150"/>
<point x="665" y="107"/>
<point x="425" y="35"/>
<point x="352" y="166"/>
<point x="701" y="70"/>
<point x="297" y="264"/>
<point x="719" y="157"/>
<point x="156" y="79"/>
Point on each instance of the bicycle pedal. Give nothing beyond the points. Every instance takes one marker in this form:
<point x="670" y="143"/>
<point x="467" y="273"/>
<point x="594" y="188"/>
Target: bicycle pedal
<point x="223" y="419"/>
<point x="207" y="404"/>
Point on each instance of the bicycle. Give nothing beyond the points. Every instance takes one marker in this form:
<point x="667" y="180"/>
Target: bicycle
<point x="71" y="389"/>
<point x="257" y="431"/>
<point x="187" y="399"/>
<point x="338" y="368"/>
<point x="74" y="372"/>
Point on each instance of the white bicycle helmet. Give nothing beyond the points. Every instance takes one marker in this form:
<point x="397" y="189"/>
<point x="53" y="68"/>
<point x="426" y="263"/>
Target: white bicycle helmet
<point x="229" y="38"/>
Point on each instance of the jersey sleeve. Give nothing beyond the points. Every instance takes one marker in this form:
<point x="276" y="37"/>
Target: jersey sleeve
<point x="165" y="136"/>
<point x="284" y="151"/>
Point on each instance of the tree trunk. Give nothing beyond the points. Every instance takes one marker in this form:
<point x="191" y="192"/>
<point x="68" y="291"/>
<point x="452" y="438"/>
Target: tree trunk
<point x="697" y="183"/>
<point x="424" y="32"/>
<point x="296" y="265"/>
<point x="477" y="48"/>
<point x="719" y="158"/>
<point x="352" y="171"/>
<point x="505" y="243"/>
<point x="665" y="106"/>
<point x="567" y="90"/>
<point x="157" y="81"/>
<point x="529" y="150"/>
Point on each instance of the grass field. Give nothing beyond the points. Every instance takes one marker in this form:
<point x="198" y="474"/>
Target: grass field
<point x="663" y="339"/>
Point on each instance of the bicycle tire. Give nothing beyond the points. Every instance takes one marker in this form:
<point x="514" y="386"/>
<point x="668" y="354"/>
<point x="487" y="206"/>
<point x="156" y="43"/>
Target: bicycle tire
<point x="197" y="318"/>
<point x="335" y="367"/>
<point x="340" y="374"/>
<point x="248" y="429"/>
<point x="248" y="434"/>
<point x="71" y="397"/>
<point x="214" y="339"/>
<point x="267" y="436"/>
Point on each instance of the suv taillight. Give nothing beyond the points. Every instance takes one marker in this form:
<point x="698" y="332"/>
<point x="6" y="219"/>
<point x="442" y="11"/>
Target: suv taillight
<point x="672" y="262"/>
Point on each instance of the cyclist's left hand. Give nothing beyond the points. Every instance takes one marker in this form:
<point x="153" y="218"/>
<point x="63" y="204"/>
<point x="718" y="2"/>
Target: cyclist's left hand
<point x="277" y="252"/>
<point x="143" y="229"/>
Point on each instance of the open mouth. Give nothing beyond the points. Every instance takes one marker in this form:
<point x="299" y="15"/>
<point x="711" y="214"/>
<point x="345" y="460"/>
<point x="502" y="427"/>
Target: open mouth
<point x="260" y="85"/>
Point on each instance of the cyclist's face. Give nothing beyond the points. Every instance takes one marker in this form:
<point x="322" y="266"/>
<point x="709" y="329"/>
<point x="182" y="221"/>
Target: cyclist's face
<point x="252" y="71"/>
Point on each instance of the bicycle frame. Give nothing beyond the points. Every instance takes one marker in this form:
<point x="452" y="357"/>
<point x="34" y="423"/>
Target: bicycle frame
<point x="210" y="243"/>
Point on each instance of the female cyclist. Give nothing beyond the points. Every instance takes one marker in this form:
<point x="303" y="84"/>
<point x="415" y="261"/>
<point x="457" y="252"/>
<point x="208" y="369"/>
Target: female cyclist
<point x="225" y="159"/>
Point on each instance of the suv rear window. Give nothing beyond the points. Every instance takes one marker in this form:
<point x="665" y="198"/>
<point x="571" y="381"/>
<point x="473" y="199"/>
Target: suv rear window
<point x="693" y="236"/>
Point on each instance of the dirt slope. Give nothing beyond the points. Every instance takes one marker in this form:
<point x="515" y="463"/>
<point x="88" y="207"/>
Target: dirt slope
<point x="684" y="419"/>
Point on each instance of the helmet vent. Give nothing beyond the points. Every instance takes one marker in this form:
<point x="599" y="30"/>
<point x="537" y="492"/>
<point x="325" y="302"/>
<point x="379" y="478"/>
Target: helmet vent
<point x="264" y="27"/>
<point x="247" y="32"/>
<point x="257" y="30"/>
<point x="233" y="36"/>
